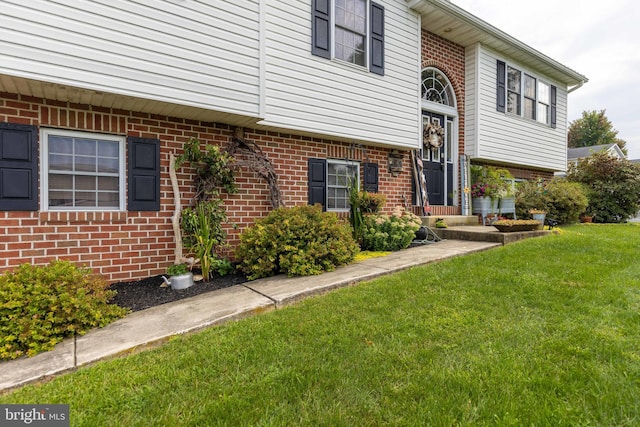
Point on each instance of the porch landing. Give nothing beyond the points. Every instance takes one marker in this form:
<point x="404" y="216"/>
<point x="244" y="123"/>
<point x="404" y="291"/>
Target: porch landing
<point x="485" y="233"/>
<point x="468" y="228"/>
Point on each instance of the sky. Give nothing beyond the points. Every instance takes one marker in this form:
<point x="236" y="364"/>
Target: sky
<point x="600" y="40"/>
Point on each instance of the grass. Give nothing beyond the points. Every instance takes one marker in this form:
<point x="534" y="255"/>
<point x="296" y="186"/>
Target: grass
<point x="541" y="332"/>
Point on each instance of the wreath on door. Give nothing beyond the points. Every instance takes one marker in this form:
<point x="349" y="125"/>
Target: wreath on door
<point x="433" y="136"/>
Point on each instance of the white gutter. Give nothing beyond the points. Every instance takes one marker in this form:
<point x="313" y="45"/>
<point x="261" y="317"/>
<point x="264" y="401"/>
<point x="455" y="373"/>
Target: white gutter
<point x="576" y="87"/>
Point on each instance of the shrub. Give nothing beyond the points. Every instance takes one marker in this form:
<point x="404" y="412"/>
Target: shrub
<point x="301" y="240"/>
<point x="530" y="195"/>
<point x="372" y="202"/>
<point x="390" y="233"/>
<point x="565" y="201"/>
<point x="42" y="305"/>
<point x="613" y="186"/>
<point x="562" y="200"/>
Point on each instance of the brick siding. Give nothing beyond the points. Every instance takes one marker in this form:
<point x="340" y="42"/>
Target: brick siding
<point x="133" y="245"/>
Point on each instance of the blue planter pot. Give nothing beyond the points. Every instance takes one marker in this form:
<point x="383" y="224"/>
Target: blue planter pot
<point x="540" y="218"/>
<point x="484" y="206"/>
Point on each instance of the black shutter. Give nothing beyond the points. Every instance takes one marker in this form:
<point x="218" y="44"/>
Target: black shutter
<point x="501" y="95"/>
<point x="321" y="28"/>
<point x="18" y="167"/>
<point x="317" y="182"/>
<point x="376" y="39"/>
<point x="370" y="177"/>
<point x="144" y="174"/>
<point x="554" y="102"/>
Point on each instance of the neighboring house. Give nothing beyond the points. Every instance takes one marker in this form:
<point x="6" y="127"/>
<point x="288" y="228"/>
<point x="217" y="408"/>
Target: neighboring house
<point x="95" y="95"/>
<point x="575" y="154"/>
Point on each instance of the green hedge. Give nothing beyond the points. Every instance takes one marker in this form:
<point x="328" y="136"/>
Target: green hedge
<point x="563" y="201"/>
<point x="300" y="240"/>
<point x="42" y="305"/>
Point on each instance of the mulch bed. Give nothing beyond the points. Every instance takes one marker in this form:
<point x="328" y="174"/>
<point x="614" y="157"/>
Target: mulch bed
<point x="147" y="293"/>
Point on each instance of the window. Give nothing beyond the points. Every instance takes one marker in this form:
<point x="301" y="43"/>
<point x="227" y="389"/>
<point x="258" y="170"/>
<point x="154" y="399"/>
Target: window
<point x="544" y="97"/>
<point x="330" y="180"/>
<point x="82" y="171"/>
<point x="340" y="175"/>
<point x="436" y="88"/>
<point x="513" y="90"/>
<point x="529" y="97"/>
<point x="525" y="95"/>
<point x="350" y="31"/>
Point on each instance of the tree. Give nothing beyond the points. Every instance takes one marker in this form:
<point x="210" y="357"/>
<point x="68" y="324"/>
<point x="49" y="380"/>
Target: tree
<point x="613" y="186"/>
<point x="593" y="128"/>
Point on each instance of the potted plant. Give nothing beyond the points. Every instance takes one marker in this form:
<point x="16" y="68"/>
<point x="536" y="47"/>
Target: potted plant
<point x="181" y="277"/>
<point x="488" y="186"/>
<point x="512" y="225"/>
<point x="538" y="215"/>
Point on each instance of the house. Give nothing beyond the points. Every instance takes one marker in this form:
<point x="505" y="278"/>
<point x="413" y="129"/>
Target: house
<point x="575" y="154"/>
<point x="578" y="153"/>
<point x="96" y="95"/>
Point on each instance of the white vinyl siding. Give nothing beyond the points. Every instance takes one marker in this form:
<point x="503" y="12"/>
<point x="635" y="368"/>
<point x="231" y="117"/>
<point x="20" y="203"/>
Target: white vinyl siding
<point x="508" y="138"/>
<point x="309" y="94"/>
<point x="201" y="54"/>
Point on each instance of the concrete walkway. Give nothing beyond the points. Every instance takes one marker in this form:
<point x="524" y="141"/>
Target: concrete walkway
<point x="146" y="328"/>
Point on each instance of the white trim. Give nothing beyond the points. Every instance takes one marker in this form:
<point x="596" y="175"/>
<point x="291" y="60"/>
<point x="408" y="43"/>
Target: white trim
<point x="262" y="63"/>
<point x="44" y="167"/>
<point x="434" y="107"/>
<point x="476" y="111"/>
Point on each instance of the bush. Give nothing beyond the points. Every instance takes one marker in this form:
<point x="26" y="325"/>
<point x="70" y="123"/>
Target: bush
<point x="40" y="306"/>
<point x="530" y="195"/>
<point x="390" y="233"/>
<point x="613" y="186"/>
<point x="562" y="200"/>
<point x="301" y="240"/>
<point x="566" y="201"/>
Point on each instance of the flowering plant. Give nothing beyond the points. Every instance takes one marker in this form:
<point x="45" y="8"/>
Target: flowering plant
<point x="390" y="232"/>
<point x="488" y="181"/>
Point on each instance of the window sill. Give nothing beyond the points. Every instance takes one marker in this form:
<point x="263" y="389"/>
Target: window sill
<point x="72" y="216"/>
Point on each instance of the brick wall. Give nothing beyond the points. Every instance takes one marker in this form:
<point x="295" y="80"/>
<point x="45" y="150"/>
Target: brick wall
<point x="449" y="58"/>
<point x="131" y="245"/>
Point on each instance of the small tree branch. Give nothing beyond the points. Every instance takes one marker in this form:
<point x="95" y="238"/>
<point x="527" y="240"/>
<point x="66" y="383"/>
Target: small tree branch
<point x="175" y="219"/>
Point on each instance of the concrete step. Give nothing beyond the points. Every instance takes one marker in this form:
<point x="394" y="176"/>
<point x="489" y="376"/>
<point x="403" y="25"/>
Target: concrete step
<point x="481" y="233"/>
<point x="450" y="220"/>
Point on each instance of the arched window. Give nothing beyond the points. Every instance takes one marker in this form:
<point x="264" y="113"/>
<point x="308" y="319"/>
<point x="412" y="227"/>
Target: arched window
<point x="437" y="88"/>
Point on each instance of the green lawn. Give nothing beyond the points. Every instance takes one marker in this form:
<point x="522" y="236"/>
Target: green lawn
<point x="541" y="332"/>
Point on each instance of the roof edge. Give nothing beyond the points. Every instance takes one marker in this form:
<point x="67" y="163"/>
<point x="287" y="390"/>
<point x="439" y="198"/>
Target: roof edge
<point x="469" y="18"/>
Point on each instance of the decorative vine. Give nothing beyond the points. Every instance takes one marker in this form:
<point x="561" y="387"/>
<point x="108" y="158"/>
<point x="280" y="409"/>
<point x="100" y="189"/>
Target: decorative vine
<point x="247" y="154"/>
<point x="214" y="169"/>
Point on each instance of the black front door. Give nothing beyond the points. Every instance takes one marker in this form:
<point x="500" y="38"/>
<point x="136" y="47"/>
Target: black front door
<point x="434" y="157"/>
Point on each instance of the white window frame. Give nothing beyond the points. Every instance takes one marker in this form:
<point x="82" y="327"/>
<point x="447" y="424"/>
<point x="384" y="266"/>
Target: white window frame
<point x="537" y="101"/>
<point x="45" y="133"/>
<point x="331" y="162"/>
<point x="367" y="36"/>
